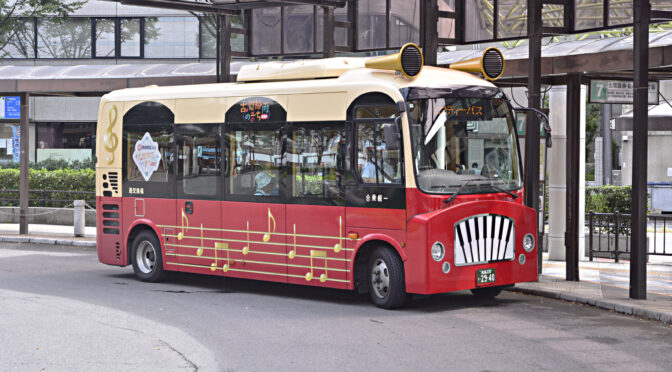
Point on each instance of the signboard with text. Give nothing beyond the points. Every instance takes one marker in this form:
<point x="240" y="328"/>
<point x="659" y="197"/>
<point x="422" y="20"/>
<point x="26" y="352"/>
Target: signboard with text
<point x="10" y="107"/>
<point x="619" y="91"/>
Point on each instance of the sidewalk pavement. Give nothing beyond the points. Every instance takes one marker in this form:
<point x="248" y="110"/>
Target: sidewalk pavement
<point x="603" y="284"/>
<point x="47" y="234"/>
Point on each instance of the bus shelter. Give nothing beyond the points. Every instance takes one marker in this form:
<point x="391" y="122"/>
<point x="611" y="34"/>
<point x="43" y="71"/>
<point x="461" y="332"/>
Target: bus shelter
<point x="371" y="26"/>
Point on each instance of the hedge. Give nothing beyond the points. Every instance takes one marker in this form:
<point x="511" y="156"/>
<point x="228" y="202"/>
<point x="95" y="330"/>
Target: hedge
<point x="608" y="199"/>
<point x="42" y="179"/>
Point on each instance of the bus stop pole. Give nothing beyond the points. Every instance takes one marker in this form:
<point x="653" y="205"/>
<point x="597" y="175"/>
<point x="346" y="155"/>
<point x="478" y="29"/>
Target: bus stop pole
<point x="638" y="249"/>
<point x="534" y="32"/>
<point x="23" y="177"/>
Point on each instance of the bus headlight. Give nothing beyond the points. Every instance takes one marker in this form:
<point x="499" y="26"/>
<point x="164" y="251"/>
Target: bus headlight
<point x="438" y="251"/>
<point x="528" y="243"/>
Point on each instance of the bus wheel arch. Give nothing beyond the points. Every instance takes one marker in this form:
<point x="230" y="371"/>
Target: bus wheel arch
<point x="135" y="231"/>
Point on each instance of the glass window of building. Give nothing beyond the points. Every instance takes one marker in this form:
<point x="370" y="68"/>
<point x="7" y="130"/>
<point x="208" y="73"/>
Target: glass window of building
<point x="340" y="33"/>
<point x="64" y="38"/>
<point x="19" y="42"/>
<point x="266" y="29"/>
<point x="299" y="29"/>
<point x="404" y="22"/>
<point x="171" y="37"/>
<point x="208" y="26"/>
<point x="130" y="37"/>
<point x="371" y="23"/>
<point x="478" y="21"/>
<point x="104" y="34"/>
<point x="69" y="141"/>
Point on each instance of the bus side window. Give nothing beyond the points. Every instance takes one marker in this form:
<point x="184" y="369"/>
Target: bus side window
<point x="199" y="159"/>
<point x="378" y="153"/>
<point x="314" y="159"/>
<point x="256" y="159"/>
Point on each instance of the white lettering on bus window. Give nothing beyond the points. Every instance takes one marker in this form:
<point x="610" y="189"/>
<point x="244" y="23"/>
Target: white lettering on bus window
<point x="147" y="156"/>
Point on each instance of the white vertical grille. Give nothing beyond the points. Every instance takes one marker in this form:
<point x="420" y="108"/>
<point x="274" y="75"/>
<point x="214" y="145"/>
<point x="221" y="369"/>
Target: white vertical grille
<point x="484" y="238"/>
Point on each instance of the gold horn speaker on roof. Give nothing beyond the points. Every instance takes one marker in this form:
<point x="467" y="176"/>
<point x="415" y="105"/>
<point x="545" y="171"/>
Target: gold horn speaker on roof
<point x="408" y="61"/>
<point x="490" y="64"/>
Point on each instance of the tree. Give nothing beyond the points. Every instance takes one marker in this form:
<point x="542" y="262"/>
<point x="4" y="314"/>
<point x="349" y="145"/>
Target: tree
<point x="15" y="21"/>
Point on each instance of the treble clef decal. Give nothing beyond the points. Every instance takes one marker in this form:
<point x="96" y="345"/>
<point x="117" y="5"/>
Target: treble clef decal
<point x="110" y="140"/>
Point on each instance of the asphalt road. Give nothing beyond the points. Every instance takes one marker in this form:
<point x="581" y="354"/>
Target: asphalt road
<point x="62" y="310"/>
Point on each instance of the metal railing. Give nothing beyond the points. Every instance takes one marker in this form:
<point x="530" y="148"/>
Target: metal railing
<point x="609" y="235"/>
<point x="46" y="198"/>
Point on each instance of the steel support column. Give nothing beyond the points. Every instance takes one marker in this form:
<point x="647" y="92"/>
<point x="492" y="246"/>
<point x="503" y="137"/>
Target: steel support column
<point x="430" y="32"/>
<point x="328" y="30"/>
<point x="642" y="17"/>
<point x="534" y="29"/>
<point x="223" y="48"/>
<point x="572" y="227"/>
<point x="606" y="144"/>
<point x="23" y="178"/>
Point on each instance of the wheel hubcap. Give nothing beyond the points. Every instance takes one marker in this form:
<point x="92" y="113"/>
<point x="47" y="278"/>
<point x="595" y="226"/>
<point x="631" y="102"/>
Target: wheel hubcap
<point x="146" y="257"/>
<point x="380" y="278"/>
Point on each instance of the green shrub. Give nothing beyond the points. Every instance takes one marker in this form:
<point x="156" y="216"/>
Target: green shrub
<point x="43" y="179"/>
<point x="608" y="199"/>
<point x="54" y="164"/>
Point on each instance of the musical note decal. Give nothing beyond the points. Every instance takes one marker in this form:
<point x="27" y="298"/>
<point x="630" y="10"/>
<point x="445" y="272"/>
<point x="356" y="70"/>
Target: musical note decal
<point x="199" y="252"/>
<point x="180" y="235"/>
<point x="267" y="236"/>
<point x="292" y="253"/>
<point x="320" y="254"/>
<point x="213" y="266"/>
<point x="246" y="249"/>
<point x="339" y="245"/>
<point x="222" y="246"/>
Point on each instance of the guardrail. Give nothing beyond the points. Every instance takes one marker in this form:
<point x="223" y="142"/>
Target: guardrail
<point x="47" y="198"/>
<point x="609" y="235"/>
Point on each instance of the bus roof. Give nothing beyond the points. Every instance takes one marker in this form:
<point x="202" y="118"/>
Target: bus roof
<point x="331" y="75"/>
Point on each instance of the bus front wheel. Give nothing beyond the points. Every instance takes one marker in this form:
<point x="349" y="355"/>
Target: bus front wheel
<point x="386" y="279"/>
<point x="146" y="258"/>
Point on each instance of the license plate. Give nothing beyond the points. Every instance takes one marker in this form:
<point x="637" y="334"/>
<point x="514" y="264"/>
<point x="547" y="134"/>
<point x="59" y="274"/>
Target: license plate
<point x="485" y="276"/>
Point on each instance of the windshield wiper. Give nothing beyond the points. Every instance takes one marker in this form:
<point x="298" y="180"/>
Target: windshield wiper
<point x="457" y="192"/>
<point x="514" y="196"/>
<point x="500" y="189"/>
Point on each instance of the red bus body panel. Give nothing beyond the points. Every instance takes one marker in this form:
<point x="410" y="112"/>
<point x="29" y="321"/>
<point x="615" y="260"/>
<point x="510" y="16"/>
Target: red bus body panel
<point x="310" y="244"/>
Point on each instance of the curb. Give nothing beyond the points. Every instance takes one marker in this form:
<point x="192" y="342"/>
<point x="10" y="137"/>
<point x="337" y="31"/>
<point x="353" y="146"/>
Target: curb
<point x="602" y="304"/>
<point x="50" y="241"/>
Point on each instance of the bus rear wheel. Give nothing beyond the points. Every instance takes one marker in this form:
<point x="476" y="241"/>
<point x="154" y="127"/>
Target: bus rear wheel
<point x="488" y="292"/>
<point x="146" y="258"/>
<point x="387" y="286"/>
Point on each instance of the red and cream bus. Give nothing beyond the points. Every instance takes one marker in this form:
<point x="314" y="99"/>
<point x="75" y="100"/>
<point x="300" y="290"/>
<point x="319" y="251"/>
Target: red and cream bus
<point x="377" y="175"/>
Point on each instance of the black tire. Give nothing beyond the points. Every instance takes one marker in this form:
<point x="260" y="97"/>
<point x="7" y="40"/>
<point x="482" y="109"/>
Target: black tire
<point x="146" y="257"/>
<point x="487" y="292"/>
<point x="385" y="275"/>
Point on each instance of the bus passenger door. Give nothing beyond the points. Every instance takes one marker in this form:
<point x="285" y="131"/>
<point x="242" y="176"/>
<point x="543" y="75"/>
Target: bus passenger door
<point x="316" y="249"/>
<point x="253" y="214"/>
<point x="198" y="196"/>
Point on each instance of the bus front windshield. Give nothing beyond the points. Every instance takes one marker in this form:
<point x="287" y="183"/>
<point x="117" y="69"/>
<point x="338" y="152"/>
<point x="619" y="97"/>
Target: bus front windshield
<point x="465" y="143"/>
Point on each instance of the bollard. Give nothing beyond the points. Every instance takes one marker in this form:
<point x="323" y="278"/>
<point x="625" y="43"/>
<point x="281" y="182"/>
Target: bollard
<point x="79" y="217"/>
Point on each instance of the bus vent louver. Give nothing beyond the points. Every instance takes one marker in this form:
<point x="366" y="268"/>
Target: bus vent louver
<point x="110" y="219"/>
<point x="114" y="181"/>
<point x="484" y="238"/>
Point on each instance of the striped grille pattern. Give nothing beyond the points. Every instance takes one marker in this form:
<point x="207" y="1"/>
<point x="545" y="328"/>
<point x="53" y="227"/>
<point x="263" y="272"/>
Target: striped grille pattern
<point x="484" y="238"/>
<point x="493" y="63"/>
<point x="411" y="61"/>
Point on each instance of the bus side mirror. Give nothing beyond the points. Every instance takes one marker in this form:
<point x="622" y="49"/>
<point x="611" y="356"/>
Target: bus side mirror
<point x="544" y="122"/>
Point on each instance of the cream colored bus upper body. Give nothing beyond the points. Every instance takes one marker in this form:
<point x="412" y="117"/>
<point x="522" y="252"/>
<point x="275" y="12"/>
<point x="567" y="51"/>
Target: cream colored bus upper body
<point x="319" y="90"/>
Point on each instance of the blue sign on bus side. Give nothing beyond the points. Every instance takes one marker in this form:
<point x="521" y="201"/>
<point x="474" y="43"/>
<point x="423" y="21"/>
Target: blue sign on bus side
<point x="12" y="107"/>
